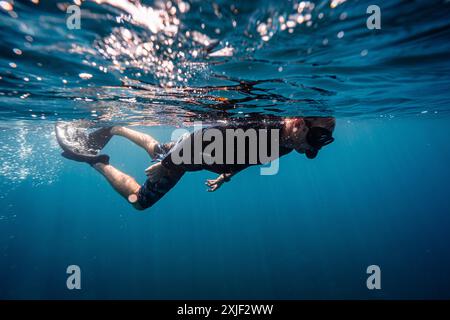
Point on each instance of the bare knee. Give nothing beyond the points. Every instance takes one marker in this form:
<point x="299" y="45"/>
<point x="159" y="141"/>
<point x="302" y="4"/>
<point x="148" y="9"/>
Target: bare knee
<point x="150" y="146"/>
<point x="154" y="149"/>
<point x="133" y="199"/>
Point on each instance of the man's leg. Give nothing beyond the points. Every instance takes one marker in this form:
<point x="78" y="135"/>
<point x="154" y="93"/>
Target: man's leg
<point x="125" y="185"/>
<point x="141" y="139"/>
<point x="141" y="197"/>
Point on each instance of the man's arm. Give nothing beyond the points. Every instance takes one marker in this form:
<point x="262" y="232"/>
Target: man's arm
<point x="215" y="184"/>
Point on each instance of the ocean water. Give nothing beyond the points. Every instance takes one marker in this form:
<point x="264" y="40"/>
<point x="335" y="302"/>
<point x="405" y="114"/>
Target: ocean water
<point x="377" y="196"/>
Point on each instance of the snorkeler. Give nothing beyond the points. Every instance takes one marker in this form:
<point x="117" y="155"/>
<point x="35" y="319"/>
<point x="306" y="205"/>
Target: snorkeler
<point x="306" y="135"/>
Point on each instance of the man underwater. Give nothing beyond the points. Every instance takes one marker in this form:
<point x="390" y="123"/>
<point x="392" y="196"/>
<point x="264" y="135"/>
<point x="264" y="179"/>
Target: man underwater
<point x="306" y="135"/>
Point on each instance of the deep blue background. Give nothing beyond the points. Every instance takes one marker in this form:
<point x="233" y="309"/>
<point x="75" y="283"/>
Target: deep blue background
<point x="378" y="195"/>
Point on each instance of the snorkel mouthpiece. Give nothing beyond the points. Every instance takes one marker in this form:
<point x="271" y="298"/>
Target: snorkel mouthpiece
<point x="317" y="137"/>
<point x="311" y="154"/>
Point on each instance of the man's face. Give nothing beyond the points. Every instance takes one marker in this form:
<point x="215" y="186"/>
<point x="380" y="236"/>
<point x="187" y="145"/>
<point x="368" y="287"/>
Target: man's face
<point x="298" y="137"/>
<point x="299" y="134"/>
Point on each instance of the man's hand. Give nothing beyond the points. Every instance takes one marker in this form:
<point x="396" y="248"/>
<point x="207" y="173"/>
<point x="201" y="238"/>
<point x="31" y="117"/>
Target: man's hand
<point x="215" y="184"/>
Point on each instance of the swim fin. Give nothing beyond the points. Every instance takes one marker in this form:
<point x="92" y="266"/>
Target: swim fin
<point x="98" y="139"/>
<point x="77" y="144"/>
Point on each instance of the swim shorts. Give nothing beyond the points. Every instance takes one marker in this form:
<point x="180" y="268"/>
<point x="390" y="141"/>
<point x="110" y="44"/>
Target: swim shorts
<point x="151" y="191"/>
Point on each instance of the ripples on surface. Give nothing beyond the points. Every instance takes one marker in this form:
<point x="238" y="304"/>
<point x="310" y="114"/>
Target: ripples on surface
<point x="174" y="62"/>
<point x="177" y="62"/>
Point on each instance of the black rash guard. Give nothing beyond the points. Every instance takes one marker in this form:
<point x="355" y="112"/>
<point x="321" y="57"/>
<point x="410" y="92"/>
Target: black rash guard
<point x="262" y="130"/>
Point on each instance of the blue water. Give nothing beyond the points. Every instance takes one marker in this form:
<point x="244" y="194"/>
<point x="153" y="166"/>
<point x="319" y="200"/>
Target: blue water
<point x="377" y="195"/>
